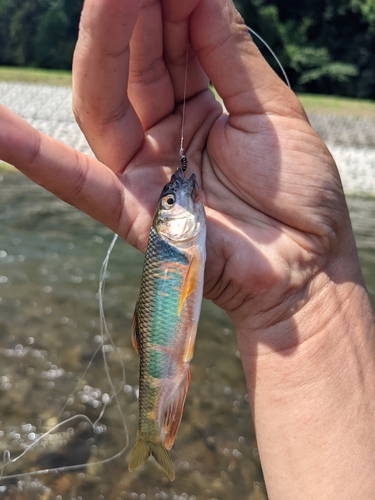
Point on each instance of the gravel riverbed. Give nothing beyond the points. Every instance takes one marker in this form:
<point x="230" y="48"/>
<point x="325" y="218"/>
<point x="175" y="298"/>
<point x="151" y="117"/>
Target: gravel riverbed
<point x="351" y="140"/>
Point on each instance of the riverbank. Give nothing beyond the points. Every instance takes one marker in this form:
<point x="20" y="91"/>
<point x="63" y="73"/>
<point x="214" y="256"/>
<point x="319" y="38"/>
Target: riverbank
<point x="351" y="139"/>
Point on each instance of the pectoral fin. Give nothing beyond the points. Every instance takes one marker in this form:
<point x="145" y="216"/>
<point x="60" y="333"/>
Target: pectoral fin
<point x="191" y="280"/>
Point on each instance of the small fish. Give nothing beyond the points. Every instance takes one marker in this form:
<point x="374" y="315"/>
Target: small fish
<point x="166" y="317"/>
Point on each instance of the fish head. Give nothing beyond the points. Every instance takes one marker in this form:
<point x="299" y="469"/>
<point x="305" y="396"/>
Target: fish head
<point x="180" y="215"/>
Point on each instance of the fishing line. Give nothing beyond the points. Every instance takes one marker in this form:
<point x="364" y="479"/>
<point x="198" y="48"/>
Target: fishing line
<point x="183" y="158"/>
<point x="105" y="337"/>
<point x="105" y="334"/>
<point x="182" y="155"/>
<point x="272" y="53"/>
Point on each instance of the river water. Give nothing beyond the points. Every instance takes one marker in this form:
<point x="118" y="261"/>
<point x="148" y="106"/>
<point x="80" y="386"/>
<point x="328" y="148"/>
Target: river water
<point x="50" y="259"/>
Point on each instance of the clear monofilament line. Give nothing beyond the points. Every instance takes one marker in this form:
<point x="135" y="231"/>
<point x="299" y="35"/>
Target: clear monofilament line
<point x="182" y="152"/>
<point x="251" y="31"/>
<point x="105" y="339"/>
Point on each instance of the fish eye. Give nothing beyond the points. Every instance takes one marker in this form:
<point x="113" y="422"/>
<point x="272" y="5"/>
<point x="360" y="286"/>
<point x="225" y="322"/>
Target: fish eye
<point x="168" y="201"/>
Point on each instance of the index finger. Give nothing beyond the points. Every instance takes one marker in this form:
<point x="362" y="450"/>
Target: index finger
<point x="75" y="178"/>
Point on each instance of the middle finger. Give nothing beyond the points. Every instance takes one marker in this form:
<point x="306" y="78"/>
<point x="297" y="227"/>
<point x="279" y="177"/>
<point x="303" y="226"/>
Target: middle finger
<point x="150" y="87"/>
<point x="176" y="22"/>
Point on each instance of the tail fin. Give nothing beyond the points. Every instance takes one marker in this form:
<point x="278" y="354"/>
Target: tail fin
<point x="143" y="449"/>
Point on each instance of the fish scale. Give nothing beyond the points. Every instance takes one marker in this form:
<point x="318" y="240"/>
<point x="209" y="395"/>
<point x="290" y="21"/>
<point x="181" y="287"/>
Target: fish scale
<point x="157" y="310"/>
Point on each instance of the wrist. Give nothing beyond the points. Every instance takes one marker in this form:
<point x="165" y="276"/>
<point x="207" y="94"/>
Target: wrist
<point x="332" y="309"/>
<point x="312" y="402"/>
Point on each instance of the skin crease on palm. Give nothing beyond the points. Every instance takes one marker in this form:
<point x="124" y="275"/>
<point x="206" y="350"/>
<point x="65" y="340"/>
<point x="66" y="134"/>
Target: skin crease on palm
<point x="281" y="257"/>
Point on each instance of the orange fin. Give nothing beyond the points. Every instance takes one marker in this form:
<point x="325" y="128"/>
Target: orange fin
<point x="173" y="414"/>
<point x="190" y="343"/>
<point x="135" y="331"/>
<point x="191" y="280"/>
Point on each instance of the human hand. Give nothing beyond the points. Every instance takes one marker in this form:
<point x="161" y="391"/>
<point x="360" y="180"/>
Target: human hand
<point x="275" y="208"/>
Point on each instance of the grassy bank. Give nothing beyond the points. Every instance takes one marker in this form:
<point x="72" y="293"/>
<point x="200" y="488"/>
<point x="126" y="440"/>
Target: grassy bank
<point x="311" y="102"/>
<point x="316" y="103"/>
<point x="334" y="105"/>
<point x="35" y="75"/>
<point x="5" y="167"/>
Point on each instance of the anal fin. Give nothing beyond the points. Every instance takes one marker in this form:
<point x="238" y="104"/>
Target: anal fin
<point x="190" y="342"/>
<point x="173" y="414"/>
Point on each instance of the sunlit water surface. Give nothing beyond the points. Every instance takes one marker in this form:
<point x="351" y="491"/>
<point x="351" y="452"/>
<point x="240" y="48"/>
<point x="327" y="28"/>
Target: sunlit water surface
<point x="50" y="259"/>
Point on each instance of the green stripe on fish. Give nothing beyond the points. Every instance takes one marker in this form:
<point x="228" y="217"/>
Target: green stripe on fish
<point x="165" y="270"/>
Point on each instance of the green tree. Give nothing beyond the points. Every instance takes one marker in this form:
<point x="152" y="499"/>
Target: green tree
<point x="54" y="40"/>
<point x="264" y="20"/>
<point x="325" y="45"/>
<point x="38" y="32"/>
<point x="348" y="30"/>
<point x="17" y="28"/>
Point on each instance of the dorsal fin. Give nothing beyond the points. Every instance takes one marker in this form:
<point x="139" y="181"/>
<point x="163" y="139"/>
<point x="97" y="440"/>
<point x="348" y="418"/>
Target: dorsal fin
<point x="135" y="330"/>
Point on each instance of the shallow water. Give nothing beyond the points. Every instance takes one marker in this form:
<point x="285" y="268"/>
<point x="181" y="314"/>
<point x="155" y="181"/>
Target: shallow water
<point x="50" y="259"/>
